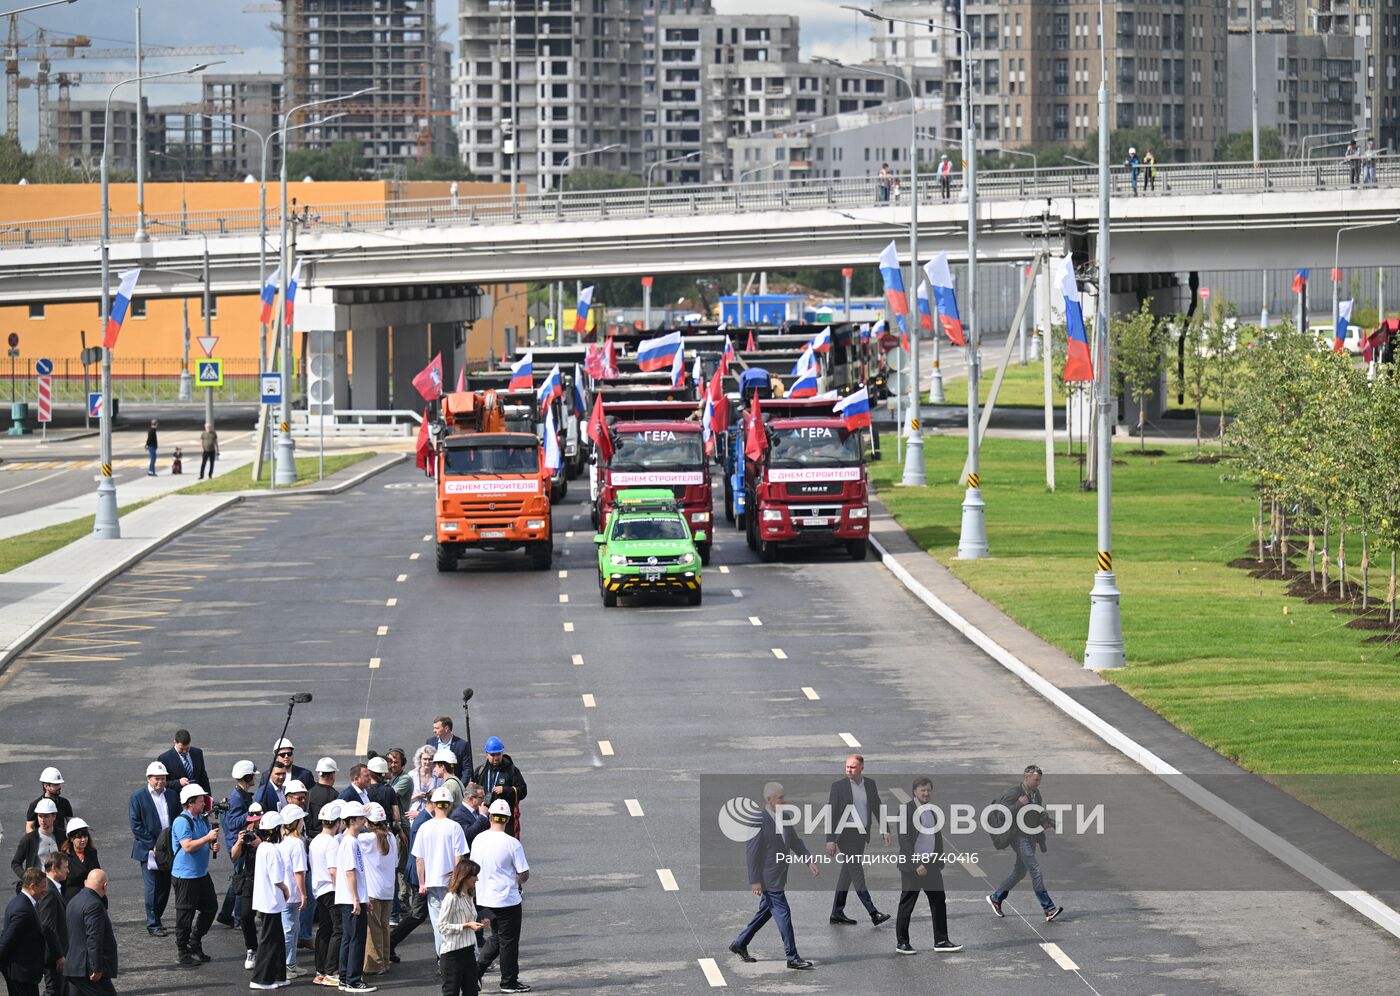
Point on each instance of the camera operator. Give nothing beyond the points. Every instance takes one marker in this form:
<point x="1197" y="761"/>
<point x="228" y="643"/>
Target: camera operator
<point x="234" y="820"/>
<point x="197" y="842"/>
<point x="243" y="851"/>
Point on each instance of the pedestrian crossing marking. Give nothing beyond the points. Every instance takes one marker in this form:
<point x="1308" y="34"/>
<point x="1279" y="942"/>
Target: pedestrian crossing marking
<point x="810" y="692"/>
<point x="634" y="808"/>
<point x="780" y="654"/>
<point x="605" y="748"/>
<point x="850" y="741"/>
<point x="712" y="973"/>
<point x="1061" y="959"/>
<point x="668" y="880"/>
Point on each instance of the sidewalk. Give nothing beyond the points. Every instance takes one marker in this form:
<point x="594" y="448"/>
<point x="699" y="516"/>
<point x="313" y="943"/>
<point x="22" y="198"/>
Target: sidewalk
<point x="36" y="596"/>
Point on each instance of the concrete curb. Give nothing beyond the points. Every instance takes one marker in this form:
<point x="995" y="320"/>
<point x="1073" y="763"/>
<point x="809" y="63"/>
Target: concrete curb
<point x="1319" y="874"/>
<point x="31" y="635"/>
<point x="375" y="466"/>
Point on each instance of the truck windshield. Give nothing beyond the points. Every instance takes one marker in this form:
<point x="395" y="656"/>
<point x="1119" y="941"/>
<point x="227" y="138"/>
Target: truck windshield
<point x="468" y="460"/>
<point x="650" y="529"/>
<point x="815" y="446"/>
<point x="657" y="449"/>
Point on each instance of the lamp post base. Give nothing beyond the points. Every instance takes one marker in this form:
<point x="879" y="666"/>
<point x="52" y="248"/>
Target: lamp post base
<point x="1104" y="648"/>
<point x="106" y="524"/>
<point x="186" y="386"/>
<point x="972" y="541"/>
<point x="914" y="474"/>
<point x="935" y="387"/>
<point x="1035" y="349"/>
<point x="284" y="461"/>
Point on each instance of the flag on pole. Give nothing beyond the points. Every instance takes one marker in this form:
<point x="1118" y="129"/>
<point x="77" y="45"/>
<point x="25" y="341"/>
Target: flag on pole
<point x="292" y="294"/>
<point x="925" y="309"/>
<point x="854" y="409"/>
<point x="946" y="298"/>
<point x="894" y="281"/>
<point x="423" y="452"/>
<point x="756" y="440"/>
<point x="821" y="342"/>
<point x="598" y="431"/>
<point x="678" y="370"/>
<point x="553" y="387"/>
<point x="269" y="295"/>
<point x="429" y="380"/>
<point x="585" y="301"/>
<point x="1078" y="364"/>
<point x="553" y="459"/>
<point x="120" y="302"/>
<point x="522" y="373"/>
<point x="727" y="357"/>
<point x="805" y="372"/>
<point x="1300" y="280"/>
<point x="1343" y="320"/>
<point x="610" y="360"/>
<point x="697" y="373"/>
<point x="577" y="393"/>
<point x="751" y="346"/>
<point x="659" y="353"/>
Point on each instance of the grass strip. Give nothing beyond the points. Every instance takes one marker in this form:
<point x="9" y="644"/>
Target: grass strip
<point x="28" y="547"/>
<point x="241" y="478"/>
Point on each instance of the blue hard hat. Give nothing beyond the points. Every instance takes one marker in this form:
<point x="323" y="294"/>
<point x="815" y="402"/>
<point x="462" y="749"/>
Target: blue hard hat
<point x="494" y="745"/>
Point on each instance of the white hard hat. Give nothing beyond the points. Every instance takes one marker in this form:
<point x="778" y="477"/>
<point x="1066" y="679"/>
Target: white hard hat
<point x="330" y="812"/>
<point x="500" y="808"/>
<point x="374" y="812"/>
<point x="270" y="821"/>
<point x="75" y="825"/>
<point x="442" y="795"/>
<point x="293" y="786"/>
<point x="381" y="767"/>
<point x="326" y="764"/>
<point x="191" y="791"/>
<point x="284" y="743"/>
<point x="291" y="813"/>
<point x="243" y="769"/>
<point x="349" y="810"/>
<point x="255" y="807"/>
<point x="155" y="768"/>
<point x="445" y="756"/>
<point x="51" y="776"/>
<point x="1131" y="151"/>
<point x="45" y="806"/>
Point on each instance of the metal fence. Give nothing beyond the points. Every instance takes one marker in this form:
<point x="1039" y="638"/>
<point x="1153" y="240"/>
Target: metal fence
<point x="135" y="380"/>
<point x="802" y="194"/>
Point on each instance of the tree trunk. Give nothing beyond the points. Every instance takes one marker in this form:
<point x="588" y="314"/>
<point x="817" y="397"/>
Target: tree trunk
<point x="1365" y="569"/>
<point x="1390" y="594"/>
<point x="1259" y="533"/>
<point x="1282" y="543"/>
<point x="1312" y="553"/>
<point x="1324" y="554"/>
<point x="1142" y="424"/>
<point x="1198" y="430"/>
<point x="1342" y="564"/>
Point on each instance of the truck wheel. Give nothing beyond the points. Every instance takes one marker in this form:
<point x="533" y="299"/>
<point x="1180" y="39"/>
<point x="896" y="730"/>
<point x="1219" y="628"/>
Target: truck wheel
<point x="704" y="551"/>
<point x="593" y="514"/>
<point x="693" y="597"/>
<point x="446" y="557"/>
<point x="856" y="548"/>
<point x="728" y="501"/>
<point x="767" y="552"/>
<point x="541" y="554"/>
<point x="609" y="597"/>
<point x="750" y="533"/>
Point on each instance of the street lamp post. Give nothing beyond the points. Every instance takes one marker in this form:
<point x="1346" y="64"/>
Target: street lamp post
<point x="580" y="155"/>
<point x="186" y="385"/>
<point x="1337" y="267"/>
<point x="651" y="170"/>
<point x="1254" y="81"/>
<point x="284" y="462"/>
<point x="105" y="524"/>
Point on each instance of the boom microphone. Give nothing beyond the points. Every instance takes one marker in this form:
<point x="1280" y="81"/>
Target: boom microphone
<point x="301" y="698"/>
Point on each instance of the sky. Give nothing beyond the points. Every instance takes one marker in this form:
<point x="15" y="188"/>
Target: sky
<point x="826" y="30"/>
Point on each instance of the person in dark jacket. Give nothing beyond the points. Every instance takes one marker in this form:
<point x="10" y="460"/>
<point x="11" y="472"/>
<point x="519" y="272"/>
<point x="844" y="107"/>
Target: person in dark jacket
<point x="444" y="737"/>
<point x="91" y="962"/>
<point x="185" y="763"/>
<point x="855" y="794"/>
<point x="321" y="793"/>
<point x="286" y="755"/>
<point x="22" y="938"/>
<point x="470" y="814"/>
<point x="1028" y="836"/>
<point x="150" y="810"/>
<point x="920" y="870"/>
<point x="51" y="782"/>
<point x="42" y="840"/>
<point x="82" y="857"/>
<point x="768" y="879"/>
<point x="152" y="447"/>
<point x="53" y="921"/>
<point x="235" y="819"/>
<point x="502" y="780"/>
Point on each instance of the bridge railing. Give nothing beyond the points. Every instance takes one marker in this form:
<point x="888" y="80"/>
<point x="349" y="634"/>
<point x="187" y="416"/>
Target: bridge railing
<point x="765" y="195"/>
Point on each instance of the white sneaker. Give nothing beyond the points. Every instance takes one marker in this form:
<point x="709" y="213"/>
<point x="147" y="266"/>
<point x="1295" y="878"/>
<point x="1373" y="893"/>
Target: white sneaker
<point x="248" y="960"/>
<point x="294" y="972"/>
<point x="262" y="985"/>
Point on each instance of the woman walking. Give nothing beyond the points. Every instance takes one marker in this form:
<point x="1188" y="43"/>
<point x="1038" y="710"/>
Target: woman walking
<point x="82" y="858"/>
<point x="458" y="924"/>
<point x="270" y="895"/>
<point x="152" y="447"/>
<point x="381" y="853"/>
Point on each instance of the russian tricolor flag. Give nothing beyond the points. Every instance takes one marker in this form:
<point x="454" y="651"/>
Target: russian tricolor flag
<point x="894" y="281"/>
<point x="727" y="357"/>
<point x="585" y="301"/>
<point x="579" y="408"/>
<point x="805" y="370"/>
<point x="925" y="309"/>
<point x="941" y="277"/>
<point x="854" y="409"/>
<point x="1079" y="366"/>
<point x="116" y="314"/>
<point x="291" y="301"/>
<point x="553" y="459"/>
<point x="659" y="353"/>
<point x="1300" y="280"/>
<point x="1343" y="320"/>
<point x="553" y="387"/>
<point x="522" y="373"/>
<point x="678" y="370"/>
<point x="269" y="295"/>
<point x="821" y="342"/>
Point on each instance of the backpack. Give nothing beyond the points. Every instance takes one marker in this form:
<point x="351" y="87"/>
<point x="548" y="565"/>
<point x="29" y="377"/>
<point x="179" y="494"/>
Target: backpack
<point x="165" y="845"/>
<point x="1001" y="841"/>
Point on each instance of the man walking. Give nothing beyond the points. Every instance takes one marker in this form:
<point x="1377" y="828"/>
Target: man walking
<point x="1026" y="796"/>
<point x="152" y="447"/>
<point x="444" y="737"/>
<point x="921" y="847"/>
<point x="185" y="761"/>
<point x="194" y="842"/>
<point x="853" y="799"/>
<point x="208" y="450"/>
<point x="91" y="961"/>
<point x="768" y="878"/>
<point x="53" y="921"/>
<point x="436" y="848"/>
<point x="502" y="780"/>
<point x="149" y="811"/>
<point x="945" y="177"/>
<point x="503" y="871"/>
<point x="22" y="939"/>
<point x="1133" y="164"/>
<point x="885" y="183"/>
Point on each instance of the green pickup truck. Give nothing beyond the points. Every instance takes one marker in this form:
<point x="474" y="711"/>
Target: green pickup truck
<point x="646" y="546"/>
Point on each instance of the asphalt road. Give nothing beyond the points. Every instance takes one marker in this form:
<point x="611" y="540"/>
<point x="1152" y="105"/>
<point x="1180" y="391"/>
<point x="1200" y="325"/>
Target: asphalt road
<point x="339" y="596"/>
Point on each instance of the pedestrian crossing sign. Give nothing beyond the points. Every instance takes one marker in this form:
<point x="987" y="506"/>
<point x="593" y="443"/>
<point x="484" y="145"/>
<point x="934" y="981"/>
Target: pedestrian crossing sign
<point x="209" y="373"/>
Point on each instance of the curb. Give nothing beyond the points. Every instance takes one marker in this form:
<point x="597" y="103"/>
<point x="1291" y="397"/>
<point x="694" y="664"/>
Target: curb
<point x="1310" y="868"/>
<point x="330" y="489"/>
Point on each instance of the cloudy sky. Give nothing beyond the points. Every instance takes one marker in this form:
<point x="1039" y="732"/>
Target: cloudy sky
<point x="826" y="30"/>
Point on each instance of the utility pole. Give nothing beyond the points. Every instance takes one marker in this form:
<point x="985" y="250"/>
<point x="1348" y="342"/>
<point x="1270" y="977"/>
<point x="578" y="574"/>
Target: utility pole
<point x="972" y="539"/>
<point x="1254" y="78"/>
<point x="140" y="235"/>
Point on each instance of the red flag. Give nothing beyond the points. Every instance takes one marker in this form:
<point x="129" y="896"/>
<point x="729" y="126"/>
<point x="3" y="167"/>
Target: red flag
<point x="462" y="379"/>
<point x="757" y="439"/>
<point x="750" y="347"/>
<point x="717" y="387"/>
<point x="610" y="360"/>
<point x="598" y="430"/>
<point x="646" y="281"/>
<point x="424" y="451"/>
<point x="429" y="380"/>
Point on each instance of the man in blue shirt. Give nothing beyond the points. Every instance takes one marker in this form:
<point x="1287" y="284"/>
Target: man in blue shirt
<point x="244" y="774"/>
<point x="193" y="842"/>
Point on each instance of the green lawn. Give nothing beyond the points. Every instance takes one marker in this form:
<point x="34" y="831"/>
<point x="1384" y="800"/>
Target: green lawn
<point x="1023" y="387"/>
<point x="20" y="550"/>
<point x="241" y="479"/>
<point x="1277" y="684"/>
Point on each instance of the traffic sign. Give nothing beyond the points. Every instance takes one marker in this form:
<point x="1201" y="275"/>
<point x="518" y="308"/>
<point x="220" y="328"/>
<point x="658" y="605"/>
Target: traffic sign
<point x="45" y="395"/>
<point x="209" y="373"/>
<point x="44" y="367"/>
<point x="91" y="355"/>
<point x="270" y="386"/>
<point x="1205" y="292"/>
<point x="14" y="340"/>
<point x="95" y="404"/>
<point x="207" y="343"/>
<point x="549" y="329"/>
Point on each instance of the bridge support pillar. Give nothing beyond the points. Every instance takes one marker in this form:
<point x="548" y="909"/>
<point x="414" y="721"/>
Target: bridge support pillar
<point x="410" y="356"/>
<point x="441" y="339"/>
<point x="369" y="380"/>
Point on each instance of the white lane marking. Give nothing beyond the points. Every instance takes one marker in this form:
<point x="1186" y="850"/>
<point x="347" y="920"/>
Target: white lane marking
<point x="755" y="621"/>
<point x="778" y="653"/>
<point x="39" y="480"/>
<point x="569" y="534"/>
<point x="426" y="538"/>
<point x="563" y="574"/>
<point x="563" y="599"/>
<point x="668" y="881"/>
<point x="391" y="603"/>
<point x="849" y="740"/>
<point x="810" y="692"/>
<point x="712" y="974"/>
<point x="737" y="592"/>
<point x="589" y="702"/>
<point x="633" y="807"/>
<point x="974" y="870"/>
<point x="901" y="796"/>
<point x="1061" y="959"/>
<point x="414" y="556"/>
<point x="362" y="738"/>
<point x="723" y="569"/>
<point x="568" y="627"/>
<point x="382" y="631"/>
<point x="403" y="577"/>
<point x="578" y="660"/>
<point x="604" y="748"/>
<point x="374" y="662"/>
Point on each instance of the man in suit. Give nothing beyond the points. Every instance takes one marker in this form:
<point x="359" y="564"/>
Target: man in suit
<point x="272" y="793"/>
<point x="185" y="762"/>
<point x="921" y="848"/>
<point x="149" y="811"/>
<point x="21" y="939"/>
<point x="444" y="737"/>
<point x="53" y="922"/>
<point x="854" y="804"/>
<point x="286" y="756"/>
<point x="91" y="963"/>
<point x="768" y="878"/>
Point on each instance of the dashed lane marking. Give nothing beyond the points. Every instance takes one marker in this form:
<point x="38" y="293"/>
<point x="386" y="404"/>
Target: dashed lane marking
<point x="974" y="870"/>
<point x="563" y="574"/>
<point x="781" y="655"/>
<point x="568" y="627"/>
<point x="569" y="534"/>
<point x="414" y="556"/>
<point x="563" y="599"/>
<point x="810" y="692"/>
<point x="578" y="660"/>
<point x="712" y="974"/>
<point x="403" y="577"/>
<point x="850" y="741"/>
<point x="668" y="881"/>
<point x="604" y="748"/>
<point x="391" y="603"/>
<point x="374" y="662"/>
<point x="634" y="807"/>
<point x="737" y="592"/>
<point x="1061" y="959"/>
<point x="382" y="631"/>
<point x="589" y="702"/>
<point x="362" y="738"/>
<point x="755" y="621"/>
<point x="427" y="538"/>
<point x="723" y="569"/>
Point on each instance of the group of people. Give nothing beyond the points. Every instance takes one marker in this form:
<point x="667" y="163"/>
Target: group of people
<point x="344" y="874"/>
<point x="922" y="851"/>
<point x="208" y="451"/>
<point x="1146" y="165"/>
<point x="1361" y="163"/>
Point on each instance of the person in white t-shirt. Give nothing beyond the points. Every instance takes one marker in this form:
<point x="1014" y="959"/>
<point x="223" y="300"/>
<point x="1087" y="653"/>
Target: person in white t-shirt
<point x="293" y="848"/>
<point x="503" y="871"/>
<point x="437" y="848"/>
<point x="270" y="895"/>
<point x="352" y="897"/>
<point x="381" y="854"/>
<point x="322" y="884"/>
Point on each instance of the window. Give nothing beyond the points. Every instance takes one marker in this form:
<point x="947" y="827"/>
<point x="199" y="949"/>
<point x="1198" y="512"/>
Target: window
<point x="138" y="308"/>
<point x="36" y="310"/>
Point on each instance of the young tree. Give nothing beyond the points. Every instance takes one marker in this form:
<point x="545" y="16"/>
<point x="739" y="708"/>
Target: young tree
<point x="1222" y="337"/>
<point x="1193" y="380"/>
<point x="1140" y="357"/>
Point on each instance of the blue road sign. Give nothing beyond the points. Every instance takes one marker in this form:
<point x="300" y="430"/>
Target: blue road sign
<point x="95" y="404"/>
<point x="209" y="373"/>
<point x="270" y="385"/>
<point x="44" y="367"/>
